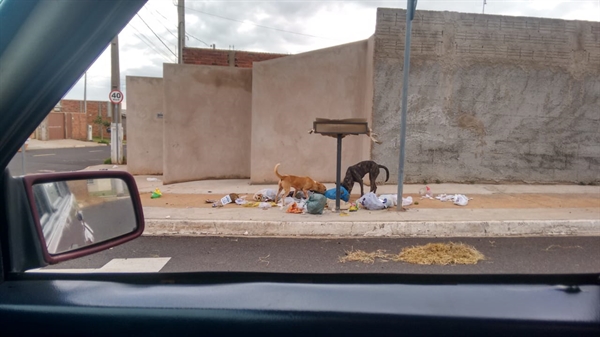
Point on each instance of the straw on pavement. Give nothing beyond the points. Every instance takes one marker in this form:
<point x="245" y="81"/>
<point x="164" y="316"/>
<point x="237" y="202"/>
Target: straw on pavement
<point x="429" y="254"/>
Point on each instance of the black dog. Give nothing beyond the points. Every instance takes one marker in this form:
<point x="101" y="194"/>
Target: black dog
<point x="355" y="173"/>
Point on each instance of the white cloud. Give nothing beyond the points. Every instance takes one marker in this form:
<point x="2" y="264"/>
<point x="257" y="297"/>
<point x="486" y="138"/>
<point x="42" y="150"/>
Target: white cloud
<point x="294" y="27"/>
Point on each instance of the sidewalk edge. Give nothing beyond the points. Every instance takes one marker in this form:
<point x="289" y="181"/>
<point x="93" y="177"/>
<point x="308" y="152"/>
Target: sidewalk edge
<point x="169" y="227"/>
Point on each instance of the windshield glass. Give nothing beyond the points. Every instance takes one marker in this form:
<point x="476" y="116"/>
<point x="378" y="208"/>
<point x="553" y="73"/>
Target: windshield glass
<point x="477" y="152"/>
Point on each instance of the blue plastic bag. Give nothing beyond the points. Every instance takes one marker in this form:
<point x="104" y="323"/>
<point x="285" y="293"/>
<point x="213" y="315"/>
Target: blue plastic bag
<point x="330" y="194"/>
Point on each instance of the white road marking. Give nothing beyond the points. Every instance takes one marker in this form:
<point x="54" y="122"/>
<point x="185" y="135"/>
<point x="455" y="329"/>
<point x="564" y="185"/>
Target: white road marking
<point x="97" y="151"/>
<point x="46" y="171"/>
<point x="134" y="265"/>
<point x="44" y="155"/>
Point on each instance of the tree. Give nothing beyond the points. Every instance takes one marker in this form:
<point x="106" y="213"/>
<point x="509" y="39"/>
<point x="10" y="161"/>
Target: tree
<point x="102" y="123"/>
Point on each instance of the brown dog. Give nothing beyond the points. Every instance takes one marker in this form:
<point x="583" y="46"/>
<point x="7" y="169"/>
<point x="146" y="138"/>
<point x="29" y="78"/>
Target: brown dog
<point x="304" y="184"/>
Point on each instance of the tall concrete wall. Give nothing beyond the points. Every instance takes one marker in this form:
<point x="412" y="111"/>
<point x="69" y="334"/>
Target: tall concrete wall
<point x="207" y="122"/>
<point x="145" y="118"/>
<point x="289" y="93"/>
<point x="491" y="98"/>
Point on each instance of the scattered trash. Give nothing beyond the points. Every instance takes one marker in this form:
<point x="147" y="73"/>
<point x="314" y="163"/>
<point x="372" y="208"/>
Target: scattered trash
<point x="168" y="217"/>
<point x="344" y="195"/>
<point x="297" y="195"/>
<point x="343" y="214"/>
<point x="316" y="203"/>
<point x="210" y="201"/>
<point x="152" y="179"/>
<point x="370" y="202"/>
<point x="156" y="194"/>
<point x="241" y="200"/>
<point x="265" y="195"/>
<point x="246" y="233"/>
<point x="234" y="196"/>
<point x="353" y="208"/>
<point x="294" y="209"/>
<point x="389" y="200"/>
<point x="264" y="205"/>
<point x="343" y="205"/>
<point x="457" y="199"/>
<point x="426" y="193"/>
<point x="209" y="191"/>
<point x="461" y="200"/>
<point x="407" y="201"/>
<point x="115" y="166"/>
<point x="217" y="204"/>
<point x="225" y="200"/>
<point x="287" y="201"/>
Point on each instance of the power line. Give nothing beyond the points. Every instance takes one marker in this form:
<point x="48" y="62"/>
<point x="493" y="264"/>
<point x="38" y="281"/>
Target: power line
<point x="158" y="37"/>
<point x="257" y="25"/>
<point x="158" y="20"/>
<point x="149" y="43"/>
<point x="193" y="37"/>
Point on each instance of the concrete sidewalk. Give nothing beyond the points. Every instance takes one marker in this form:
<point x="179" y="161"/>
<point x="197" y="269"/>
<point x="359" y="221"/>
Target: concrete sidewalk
<point x="524" y="218"/>
<point x="35" y="144"/>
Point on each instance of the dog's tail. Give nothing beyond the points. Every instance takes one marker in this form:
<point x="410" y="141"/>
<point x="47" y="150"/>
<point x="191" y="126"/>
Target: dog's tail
<point x="387" y="173"/>
<point x="277" y="173"/>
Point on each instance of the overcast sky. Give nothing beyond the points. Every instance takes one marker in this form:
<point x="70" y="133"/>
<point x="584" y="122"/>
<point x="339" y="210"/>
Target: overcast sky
<point x="278" y="26"/>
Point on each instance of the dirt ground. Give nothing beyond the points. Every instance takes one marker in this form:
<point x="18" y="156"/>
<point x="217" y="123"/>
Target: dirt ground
<point x="480" y="201"/>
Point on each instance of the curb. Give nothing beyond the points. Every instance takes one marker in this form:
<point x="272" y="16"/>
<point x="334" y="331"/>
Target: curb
<point x="168" y="227"/>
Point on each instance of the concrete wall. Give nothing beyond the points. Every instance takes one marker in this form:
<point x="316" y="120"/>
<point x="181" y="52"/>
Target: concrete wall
<point x="145" y="138"/>
<point x="491" y="98"/>
<point x="289" y="93"/>
<point x="207" y="122"/>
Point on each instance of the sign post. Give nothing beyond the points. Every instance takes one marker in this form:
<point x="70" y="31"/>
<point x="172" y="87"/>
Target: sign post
<point x="116" y="144"/>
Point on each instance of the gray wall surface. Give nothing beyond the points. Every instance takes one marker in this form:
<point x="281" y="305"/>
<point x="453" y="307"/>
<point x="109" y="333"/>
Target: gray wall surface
<point x="207" y="122"/>
<point x="290" y="92"/>
<point x="145" y="131"/>
<point x="491" y="98"/>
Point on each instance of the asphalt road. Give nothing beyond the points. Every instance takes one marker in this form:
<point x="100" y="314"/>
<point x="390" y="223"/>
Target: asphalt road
<point x="503" y="255"/>
<point x="59" y="160"/>
<point x="110" y="219"/>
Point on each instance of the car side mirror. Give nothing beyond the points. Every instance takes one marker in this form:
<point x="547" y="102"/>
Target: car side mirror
<point x="81" y="213"/>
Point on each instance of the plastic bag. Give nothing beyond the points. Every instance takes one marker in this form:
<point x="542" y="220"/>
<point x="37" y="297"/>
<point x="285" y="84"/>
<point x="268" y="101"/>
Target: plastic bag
<point x="371" y="202"/>
<point x="294" y="209"/>
<point x="389" y="200"/>
<point x="265" y="194"/>
<point x="156" y="194"/>
<point x="457" y="199"/>
<point x="461" y="200"/>
<point x="316" y="203"/>
<point x="426" y="193"/>
<point x="407" y="201"/>
<point x="264" y="205"/>
<point x="344" y="195"/>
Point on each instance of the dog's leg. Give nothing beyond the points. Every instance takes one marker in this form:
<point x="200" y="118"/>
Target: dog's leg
<point x="373" y="173"/>
<point x="357" y="178"/>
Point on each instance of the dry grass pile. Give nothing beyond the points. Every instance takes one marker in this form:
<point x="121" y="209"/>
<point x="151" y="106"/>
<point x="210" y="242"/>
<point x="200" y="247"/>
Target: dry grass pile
<point x="364" y="257"/>
<point x="441" y="253"/>
<point x="429" y="254"/>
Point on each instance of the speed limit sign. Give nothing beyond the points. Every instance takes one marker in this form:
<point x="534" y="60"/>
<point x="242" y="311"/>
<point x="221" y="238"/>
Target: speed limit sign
<point x="116" y="96"/>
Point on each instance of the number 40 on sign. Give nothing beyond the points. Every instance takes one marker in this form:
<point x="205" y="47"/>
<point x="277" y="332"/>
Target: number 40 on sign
<point x="116" y="96"/>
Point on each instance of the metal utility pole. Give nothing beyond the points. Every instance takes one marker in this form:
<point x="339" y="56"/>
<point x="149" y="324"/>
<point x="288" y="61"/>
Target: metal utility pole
<point x="483" y="10"/>
<point x="116" y="128"/>
<point x="411" y="6"/>
<point x="181" y="29"/>
<point x="85" y="93"/>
